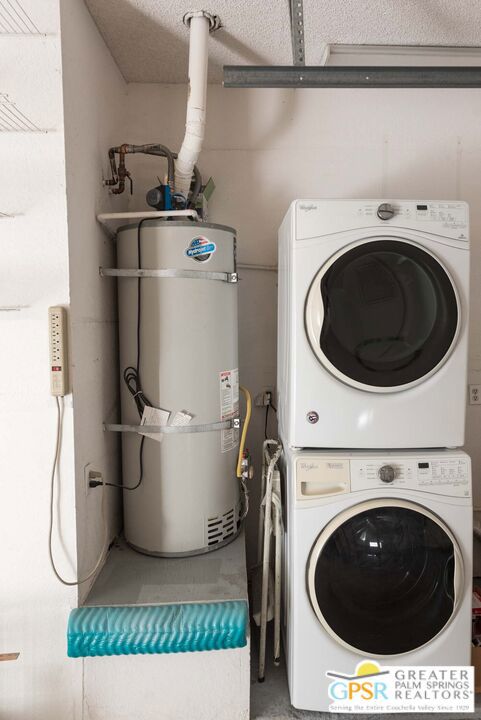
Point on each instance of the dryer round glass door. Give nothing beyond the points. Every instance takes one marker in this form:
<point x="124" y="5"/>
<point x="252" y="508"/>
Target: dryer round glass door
<point x="382" y="315"/>
<point x="385" y="577"/>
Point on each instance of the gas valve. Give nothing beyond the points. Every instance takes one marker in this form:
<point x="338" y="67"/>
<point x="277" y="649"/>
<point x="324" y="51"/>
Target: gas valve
<point x="246" y="467"/>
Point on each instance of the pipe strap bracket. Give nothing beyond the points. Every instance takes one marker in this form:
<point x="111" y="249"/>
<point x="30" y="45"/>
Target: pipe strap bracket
<point x="232" y="423"/>
<point x="168" y="273"/>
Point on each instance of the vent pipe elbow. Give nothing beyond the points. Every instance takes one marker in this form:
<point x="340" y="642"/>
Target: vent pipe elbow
<point x="200" y="24"/>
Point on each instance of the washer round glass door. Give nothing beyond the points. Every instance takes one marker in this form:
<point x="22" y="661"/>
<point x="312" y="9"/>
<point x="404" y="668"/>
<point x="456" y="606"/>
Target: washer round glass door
<point x="385" y="577"/>
<point x="382" y="314"/>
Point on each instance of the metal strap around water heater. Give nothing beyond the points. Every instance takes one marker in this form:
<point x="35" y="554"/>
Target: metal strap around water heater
<point x="168" y="273"/>
<point x="174" y="429"/>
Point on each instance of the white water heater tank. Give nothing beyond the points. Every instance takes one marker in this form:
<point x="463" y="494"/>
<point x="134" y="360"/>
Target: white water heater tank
<point x="188" y="501"/>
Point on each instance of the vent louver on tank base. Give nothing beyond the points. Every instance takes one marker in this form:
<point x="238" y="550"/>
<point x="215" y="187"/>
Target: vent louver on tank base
<point x="221" y="527"/>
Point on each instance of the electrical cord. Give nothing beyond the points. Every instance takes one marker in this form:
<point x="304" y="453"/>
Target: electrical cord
<point x="132" y="375"/>
<point x="245" y="491"/>
<point x="268" y="406"/>
<point x="131" y="379"/>
<point x="56" y="460"/>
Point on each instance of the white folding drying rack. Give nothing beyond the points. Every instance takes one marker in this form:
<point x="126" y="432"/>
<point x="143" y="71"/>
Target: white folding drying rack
<point x="270" y="523"/>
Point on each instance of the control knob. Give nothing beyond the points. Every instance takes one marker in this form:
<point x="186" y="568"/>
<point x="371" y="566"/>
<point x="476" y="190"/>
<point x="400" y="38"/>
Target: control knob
<point x="387" y="473"/>
<point x="385" y="211"/>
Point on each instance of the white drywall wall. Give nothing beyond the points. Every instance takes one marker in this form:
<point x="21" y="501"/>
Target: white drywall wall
<point x="36" y="179"/>
<point x="266" y="147"/>
<point x="34" y="275"/>
<point x="94" y="101"/>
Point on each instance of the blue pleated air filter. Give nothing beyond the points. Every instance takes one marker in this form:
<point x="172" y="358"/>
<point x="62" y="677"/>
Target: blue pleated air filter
<point x="151" y="629"/>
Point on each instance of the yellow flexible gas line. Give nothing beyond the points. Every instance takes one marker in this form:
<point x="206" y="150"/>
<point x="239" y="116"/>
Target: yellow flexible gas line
<point x="248" y="398"/>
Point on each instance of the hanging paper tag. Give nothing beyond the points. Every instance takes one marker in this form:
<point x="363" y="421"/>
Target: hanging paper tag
<point x="154" y="416"/>
<point x="181" y="418"/>
<point x="157" y="416"/>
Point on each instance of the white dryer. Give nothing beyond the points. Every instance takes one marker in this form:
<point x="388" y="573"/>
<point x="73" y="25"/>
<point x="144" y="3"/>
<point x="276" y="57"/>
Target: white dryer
<point x="373" y="324"/>
<point x="378" y="563"/>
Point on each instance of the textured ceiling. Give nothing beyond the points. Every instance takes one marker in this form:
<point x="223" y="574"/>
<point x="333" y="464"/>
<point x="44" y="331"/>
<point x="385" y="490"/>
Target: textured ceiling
<point x="150" y="43"/>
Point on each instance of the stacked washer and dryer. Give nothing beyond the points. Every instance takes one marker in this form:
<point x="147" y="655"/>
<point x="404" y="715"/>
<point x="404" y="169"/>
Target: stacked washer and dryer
<point x="372" y="377"/>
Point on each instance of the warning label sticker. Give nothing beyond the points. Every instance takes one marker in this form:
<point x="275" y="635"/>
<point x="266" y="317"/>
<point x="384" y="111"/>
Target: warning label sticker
<point x="229" y="406"/>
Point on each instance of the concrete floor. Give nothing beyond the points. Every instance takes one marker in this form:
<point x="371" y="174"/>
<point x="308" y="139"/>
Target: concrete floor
<point x="270" y="699"/>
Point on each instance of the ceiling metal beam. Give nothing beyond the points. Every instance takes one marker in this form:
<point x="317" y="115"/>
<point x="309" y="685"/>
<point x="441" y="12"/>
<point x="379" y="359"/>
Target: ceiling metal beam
<point x="297" y="32"/>
<point x="278" y="76"/>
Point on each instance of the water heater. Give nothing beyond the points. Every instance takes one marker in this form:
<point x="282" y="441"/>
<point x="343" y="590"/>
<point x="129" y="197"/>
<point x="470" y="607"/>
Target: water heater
<point x="179" y="312"/>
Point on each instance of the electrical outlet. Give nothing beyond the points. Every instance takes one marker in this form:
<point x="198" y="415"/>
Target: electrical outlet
<point x="57" y="335"/>
<point x="92" y="477"/>
<point x="475" y="394"/>
<point x="264" y="398"/>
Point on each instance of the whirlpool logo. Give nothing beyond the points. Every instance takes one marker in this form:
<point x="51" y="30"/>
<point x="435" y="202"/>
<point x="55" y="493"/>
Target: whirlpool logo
<point x="366" y="684"/>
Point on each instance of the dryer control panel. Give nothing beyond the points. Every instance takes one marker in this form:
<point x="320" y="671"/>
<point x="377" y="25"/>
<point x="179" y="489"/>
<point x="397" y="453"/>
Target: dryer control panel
<point x="439" y="475"/>
<point x="322" y="218"/>
<point x="446" y="215"/>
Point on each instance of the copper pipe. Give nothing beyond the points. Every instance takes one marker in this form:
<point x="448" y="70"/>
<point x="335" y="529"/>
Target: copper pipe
<point x="120" y="173"/>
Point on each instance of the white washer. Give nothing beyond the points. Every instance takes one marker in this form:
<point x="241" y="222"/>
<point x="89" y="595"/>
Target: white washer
<point x="378" y="563"/>
<point x="373" y="324"/>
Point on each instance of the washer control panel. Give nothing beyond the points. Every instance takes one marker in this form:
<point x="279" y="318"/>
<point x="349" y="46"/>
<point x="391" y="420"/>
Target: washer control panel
<point x="448" y="475"/>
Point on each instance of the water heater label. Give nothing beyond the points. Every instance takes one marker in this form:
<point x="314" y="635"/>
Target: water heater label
<point x="200" y="249"/>
<point x="229" y="406"/>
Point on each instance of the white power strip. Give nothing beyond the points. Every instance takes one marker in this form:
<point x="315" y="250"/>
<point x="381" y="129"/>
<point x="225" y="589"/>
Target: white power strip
<point x="57" y="333"/>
